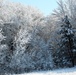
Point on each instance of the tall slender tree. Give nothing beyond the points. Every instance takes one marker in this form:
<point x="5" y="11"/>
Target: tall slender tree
<point x="67" y="44"/>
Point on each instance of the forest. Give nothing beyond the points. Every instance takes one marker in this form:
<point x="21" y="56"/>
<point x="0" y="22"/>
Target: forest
<point x="31" y="41"/>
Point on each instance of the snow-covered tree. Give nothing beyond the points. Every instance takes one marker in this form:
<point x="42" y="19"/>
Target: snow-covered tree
<point x="15" y="16"/>
<point x="65" y="55"/>
<point x="3" y="51"/>
<point x="31" y="51"/>
<point x="41" y="53"/>
<point x="66" y="7"/>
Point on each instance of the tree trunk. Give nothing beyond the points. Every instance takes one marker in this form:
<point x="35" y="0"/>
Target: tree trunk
<point x="71" y="51"/>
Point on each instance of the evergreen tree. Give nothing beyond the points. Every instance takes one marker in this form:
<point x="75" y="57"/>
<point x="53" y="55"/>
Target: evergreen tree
<point x="67" y="44"/>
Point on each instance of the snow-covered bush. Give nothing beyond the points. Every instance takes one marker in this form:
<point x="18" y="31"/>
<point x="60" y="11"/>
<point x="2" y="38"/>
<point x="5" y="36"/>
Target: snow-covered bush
<point x="21" y="40"/>
<point x="31" y="51"/>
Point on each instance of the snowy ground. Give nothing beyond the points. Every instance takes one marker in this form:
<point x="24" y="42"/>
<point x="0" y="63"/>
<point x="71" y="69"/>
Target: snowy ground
<point x="68" y="71"/>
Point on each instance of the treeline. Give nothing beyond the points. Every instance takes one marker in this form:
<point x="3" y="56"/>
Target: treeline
<point x="30" y="41"/>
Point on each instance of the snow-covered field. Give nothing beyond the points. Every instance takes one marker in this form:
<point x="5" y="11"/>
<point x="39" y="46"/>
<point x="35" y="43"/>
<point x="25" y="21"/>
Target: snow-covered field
<point x="68" y="71"/>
